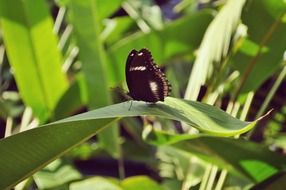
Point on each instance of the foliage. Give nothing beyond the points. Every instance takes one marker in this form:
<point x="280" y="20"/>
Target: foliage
<point x="63" y="128"/>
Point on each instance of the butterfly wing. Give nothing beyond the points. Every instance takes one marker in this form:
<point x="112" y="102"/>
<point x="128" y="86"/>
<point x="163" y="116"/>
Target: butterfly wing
<point x="145" y="80"/>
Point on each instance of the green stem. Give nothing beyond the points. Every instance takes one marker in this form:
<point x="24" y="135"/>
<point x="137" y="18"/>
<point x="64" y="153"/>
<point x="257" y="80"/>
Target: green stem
<point x="59" y="19"/>
<point x="211" y="180"/>
<point x="243" y="114"/>
<point x="121" y="170"/>
<point x="8" y="128"/>
<point x="221" y="180"/>
<point x="205" y="177"/>
<point x="272" y="92"/>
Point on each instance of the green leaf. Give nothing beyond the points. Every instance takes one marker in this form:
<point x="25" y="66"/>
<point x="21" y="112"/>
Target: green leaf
<point x="215" y="45"/>
<point x="140" y="183"/>
<point x="115" y="29"/>
<point x="55" y="174"/>
<point x="95" y="183"/>
<point x="73" y="99"/>
<point x="83" y="15"/>
<point x="279" y="140"/>
<point x="241" y="157"/>
<point x="33" y="54"/>
<point x="131" y="183"/>
<point x="107" y="9"/>
<point x="86" y="22"/>
<point x="25" y="153"/>
<point x="164" y="43"/>
<point x="269" y="34"/>
<point x="204" y="117"/>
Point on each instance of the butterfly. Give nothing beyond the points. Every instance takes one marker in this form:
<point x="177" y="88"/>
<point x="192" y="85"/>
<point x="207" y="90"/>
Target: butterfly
<point x="145" y="80"/>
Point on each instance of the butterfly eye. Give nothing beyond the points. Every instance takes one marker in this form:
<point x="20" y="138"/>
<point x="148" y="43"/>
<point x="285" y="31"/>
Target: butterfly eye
<point x="145" y="80"/>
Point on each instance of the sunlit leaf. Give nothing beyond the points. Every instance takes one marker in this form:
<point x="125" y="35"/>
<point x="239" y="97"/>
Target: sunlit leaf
<point x="215" y="45"/>
<point x="140" y="183"/>
<point x="95" y="183"/>
<point x="32" y="51"/>
<point x="53" y="140"/>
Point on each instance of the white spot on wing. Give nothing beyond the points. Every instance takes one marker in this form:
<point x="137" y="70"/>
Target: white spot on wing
<point x="154" y="88"/>
<point x="139" y="68"/>
<point x="140" y="54"/>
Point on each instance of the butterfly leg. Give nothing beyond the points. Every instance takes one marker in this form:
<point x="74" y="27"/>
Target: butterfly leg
<point x="130" y="105"/>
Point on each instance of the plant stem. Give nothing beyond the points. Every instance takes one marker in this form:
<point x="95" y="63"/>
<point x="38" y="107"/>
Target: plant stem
<point x="121" y="169"/>
<point x="243" y="114"/>
<point x="205" y="177"/>
<point x="59" y="19"/>
<point x="8" y="129"/>
<point x="211" y="180"/>
<point x="221" y="180"/>
<point x="271" y="93"/>
<point x="65" y="36"/>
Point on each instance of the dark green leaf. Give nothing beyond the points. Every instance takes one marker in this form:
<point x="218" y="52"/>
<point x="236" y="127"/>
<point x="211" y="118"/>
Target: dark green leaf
<point x="86" y="21"/>
<point x="269" y="33"/>
<point x="238" y="156"/>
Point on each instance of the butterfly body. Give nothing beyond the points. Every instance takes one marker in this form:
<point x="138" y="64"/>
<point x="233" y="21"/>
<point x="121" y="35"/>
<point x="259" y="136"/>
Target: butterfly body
<point x="145" y="81"/>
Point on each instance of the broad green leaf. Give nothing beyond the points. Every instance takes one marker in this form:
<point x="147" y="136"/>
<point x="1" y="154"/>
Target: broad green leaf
<point x="25" y="153"/>
<point x="241" y="157"/>
<point x="164" y="43"/>
<point x="269" y="33"/>
<point x="32" y="52"/>
<point x="206" y="118"/>
<point x="86" y="23"/>
<point x="84" y="19"/>
<point x="140" y="183"/>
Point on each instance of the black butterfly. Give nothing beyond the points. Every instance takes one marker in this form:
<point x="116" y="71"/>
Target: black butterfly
<point x="144" y="79"/>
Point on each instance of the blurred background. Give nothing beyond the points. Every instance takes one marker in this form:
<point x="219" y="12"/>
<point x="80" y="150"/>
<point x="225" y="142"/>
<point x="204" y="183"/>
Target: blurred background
<point x="63" y="57"/>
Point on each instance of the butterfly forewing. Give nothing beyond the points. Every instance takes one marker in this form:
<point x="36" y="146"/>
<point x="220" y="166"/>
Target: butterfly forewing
<point x="144" y="79"/>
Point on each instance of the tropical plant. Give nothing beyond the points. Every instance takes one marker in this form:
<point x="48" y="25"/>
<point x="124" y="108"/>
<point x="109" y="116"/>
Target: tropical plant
<point x="65" y="124"/>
